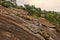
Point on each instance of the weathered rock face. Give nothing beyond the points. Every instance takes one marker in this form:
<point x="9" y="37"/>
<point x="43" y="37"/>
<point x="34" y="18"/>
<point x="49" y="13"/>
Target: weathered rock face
<point x="15" y="24"/>
<point x="10" y="31"/>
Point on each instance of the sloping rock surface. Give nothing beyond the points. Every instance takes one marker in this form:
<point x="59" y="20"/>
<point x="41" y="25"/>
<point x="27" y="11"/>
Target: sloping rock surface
<point x="16" y="24"/>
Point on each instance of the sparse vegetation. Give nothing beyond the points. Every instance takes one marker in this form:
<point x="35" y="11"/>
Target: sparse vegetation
<point x="35" y="12"/>
<point x="49" y="15"/>
<point x="52" y="17"/>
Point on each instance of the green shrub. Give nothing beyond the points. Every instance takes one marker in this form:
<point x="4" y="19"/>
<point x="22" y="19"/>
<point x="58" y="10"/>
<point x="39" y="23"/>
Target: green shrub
<point x="6" y="3"/>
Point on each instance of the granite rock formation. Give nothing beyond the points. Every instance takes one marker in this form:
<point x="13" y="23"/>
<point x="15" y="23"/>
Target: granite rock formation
<point x="16" y="24"/>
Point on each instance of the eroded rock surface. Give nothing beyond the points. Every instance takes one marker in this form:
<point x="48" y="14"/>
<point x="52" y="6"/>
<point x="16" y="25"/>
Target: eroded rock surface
<point x="16" y="24"/>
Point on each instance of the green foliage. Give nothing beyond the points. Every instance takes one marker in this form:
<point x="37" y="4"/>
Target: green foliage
<point x="53" y="17"/>
<point x="20" y="7"/>
<point x="32" y="10"/>
<point x="6" y="3"/>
